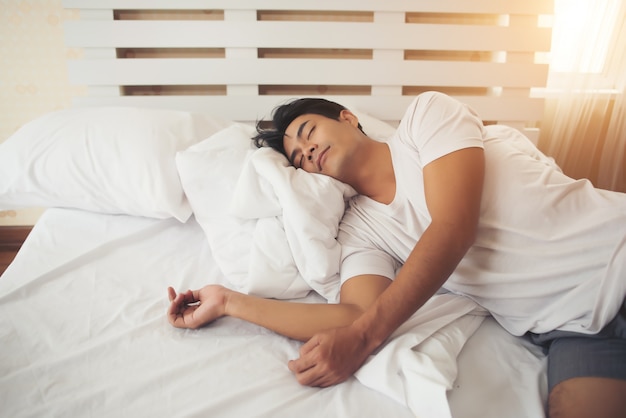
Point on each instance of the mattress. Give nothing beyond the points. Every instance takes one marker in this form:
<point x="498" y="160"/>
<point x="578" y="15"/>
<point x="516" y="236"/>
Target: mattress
<point x="83" y="332"/>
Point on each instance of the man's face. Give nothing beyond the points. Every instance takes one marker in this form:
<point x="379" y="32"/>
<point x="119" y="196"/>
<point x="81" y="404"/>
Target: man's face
<point x="318" y="144"/>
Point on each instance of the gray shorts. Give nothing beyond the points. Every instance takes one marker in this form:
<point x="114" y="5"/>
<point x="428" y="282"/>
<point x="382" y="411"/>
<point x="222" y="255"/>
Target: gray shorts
<point x="571" y="354"/>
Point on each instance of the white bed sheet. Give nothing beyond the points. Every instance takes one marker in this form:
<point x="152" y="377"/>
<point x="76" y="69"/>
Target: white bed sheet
<point x="83" y="333"/>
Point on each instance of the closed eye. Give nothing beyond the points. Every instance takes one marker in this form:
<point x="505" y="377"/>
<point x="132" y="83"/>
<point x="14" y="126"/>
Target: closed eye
<point x="294" y="155"/>
<point x="296" y="159"/>
<point x="308" y="137"/>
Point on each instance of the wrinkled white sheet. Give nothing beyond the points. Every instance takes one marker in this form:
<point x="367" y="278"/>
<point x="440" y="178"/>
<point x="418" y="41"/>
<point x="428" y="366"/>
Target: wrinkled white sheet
<point x="83" y="333"/>
<point x="418" y="365"/>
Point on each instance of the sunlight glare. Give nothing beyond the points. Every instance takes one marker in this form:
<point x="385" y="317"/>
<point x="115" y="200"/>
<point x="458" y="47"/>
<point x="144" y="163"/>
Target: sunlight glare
<point x="581" y="34"/>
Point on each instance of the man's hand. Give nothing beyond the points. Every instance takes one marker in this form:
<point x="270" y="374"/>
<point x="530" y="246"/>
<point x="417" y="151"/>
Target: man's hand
<point x="330" y="357"/>
<point x="195" y="308"/>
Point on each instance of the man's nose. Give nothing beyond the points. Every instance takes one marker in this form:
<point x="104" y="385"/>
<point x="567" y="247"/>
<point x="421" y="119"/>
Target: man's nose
<point x="309" y="150"/>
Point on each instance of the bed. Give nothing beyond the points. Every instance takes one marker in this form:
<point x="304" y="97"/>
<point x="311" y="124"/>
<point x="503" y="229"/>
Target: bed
<point x="151" y="181"/>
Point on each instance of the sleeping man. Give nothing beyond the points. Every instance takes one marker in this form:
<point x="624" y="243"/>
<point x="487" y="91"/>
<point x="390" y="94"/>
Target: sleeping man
<point x="475" y="209"/>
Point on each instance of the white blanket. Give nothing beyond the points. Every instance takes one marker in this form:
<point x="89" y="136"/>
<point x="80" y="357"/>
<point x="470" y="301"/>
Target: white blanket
<point x="300" y="209"/>
<point x="418" y="364"/>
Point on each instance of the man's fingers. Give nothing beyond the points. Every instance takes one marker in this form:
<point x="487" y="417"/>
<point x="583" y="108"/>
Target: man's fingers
<point x="301" y="364"/>
<point x="194" y="295"/>
<point x="172" y="313"/>
<point x="307" y="369"/>
<point x="187" y="297"/>
<point x="309" y="345"/>
<point x="182" y="316"/>
<point x="174" y="310"/>
<point x="317" y="376"/>
<point x="309" y="377"/>
<point x="182" y="307"/>
<point x="306" y="359"/>
<point x="317" y="365"/>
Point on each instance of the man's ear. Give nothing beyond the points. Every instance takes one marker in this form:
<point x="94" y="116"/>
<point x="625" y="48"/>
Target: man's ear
<point x="346" y="115"/>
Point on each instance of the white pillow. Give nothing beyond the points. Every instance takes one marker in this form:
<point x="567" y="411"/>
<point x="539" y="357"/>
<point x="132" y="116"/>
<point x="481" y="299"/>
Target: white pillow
<point x="268" y="241"/>
<point x="374" y="128"/>
<point x="112" y="160"/>
<point x="208" y="172"/>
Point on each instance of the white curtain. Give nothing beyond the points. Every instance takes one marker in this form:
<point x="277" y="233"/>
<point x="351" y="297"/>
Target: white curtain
<point x="584" y="127"/>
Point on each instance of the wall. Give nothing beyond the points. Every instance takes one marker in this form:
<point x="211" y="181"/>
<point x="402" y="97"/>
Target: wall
<point x="33" y="74"/>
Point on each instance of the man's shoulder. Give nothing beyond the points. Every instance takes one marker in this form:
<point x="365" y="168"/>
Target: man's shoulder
<point x="431" y="98"/>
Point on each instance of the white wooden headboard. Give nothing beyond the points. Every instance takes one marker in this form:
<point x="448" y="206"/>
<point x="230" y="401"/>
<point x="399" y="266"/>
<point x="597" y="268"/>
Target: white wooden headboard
<point x="240" y="58"/>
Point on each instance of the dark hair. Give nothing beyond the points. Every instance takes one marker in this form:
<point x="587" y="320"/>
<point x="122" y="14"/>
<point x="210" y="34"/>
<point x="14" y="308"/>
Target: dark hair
<point x="284" y="114"/>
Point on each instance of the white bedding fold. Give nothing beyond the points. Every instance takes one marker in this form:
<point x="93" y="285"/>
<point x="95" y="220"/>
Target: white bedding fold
<point x="309" y="208"/>
<point x="418" y="364"/>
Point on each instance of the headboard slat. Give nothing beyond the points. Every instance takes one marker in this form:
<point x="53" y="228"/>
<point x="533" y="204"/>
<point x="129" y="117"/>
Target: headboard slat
<point x="303" y="71"/>
<point x="446" y="6"/>
<point x="388" y="108"/>
<point x="213" y="34"/>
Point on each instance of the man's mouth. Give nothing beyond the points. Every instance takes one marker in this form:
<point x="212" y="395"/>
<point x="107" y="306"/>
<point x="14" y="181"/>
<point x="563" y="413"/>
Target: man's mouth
<point x="320" y="157"/>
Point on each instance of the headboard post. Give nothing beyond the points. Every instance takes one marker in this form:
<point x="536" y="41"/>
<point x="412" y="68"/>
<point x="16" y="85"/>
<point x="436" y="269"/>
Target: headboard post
<point x="241" y="53"/>
<point x="389" y="56"/>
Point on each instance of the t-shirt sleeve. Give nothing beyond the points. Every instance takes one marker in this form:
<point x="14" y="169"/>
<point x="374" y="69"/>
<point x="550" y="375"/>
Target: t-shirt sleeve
<point x="359" y="256"/>
<point x="361" y="261"/>
<point x="435" y="125"/>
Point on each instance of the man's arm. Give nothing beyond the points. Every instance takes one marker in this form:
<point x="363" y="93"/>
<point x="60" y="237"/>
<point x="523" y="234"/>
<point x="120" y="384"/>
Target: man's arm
<point x="453" y="188"/>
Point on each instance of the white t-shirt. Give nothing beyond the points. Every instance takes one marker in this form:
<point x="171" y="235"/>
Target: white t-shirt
<point x="550" y="251"/>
